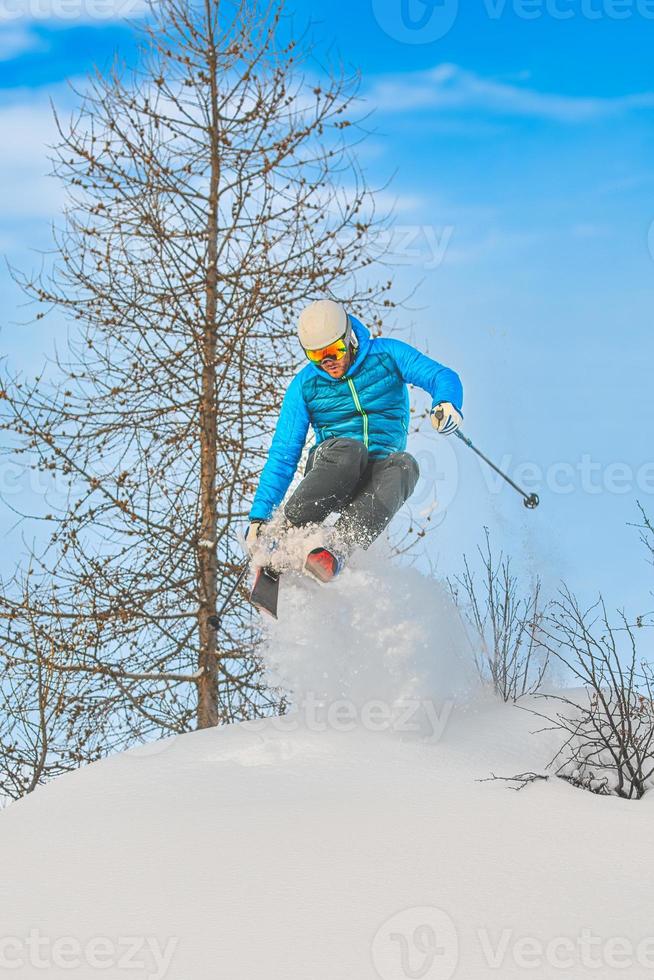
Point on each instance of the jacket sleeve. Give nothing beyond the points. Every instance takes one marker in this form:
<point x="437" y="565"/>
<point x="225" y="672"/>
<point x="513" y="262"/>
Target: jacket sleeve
<point x="284" y="454"/>
<point x="443" y="384"/>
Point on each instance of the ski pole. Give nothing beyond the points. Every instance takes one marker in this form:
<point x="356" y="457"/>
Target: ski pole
<point x="530" y="500"/>
<point x="214" y="621"/>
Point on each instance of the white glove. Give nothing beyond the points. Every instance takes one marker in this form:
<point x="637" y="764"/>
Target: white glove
<point x="445" y="418"/>
<point x="252" y="535"/>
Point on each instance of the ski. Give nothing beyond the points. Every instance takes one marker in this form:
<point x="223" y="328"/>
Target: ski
<point x="265" y="591"/>
<point x="322" y="564"/>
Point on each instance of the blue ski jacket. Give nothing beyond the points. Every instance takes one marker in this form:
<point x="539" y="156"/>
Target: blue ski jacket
<point x="370" y="402"/>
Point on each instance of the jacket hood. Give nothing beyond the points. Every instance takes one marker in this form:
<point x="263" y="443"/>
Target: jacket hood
<point x="364" y="340"/>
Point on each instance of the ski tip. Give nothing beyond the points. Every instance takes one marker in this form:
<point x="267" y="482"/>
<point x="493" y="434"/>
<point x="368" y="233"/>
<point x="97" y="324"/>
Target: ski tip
<point x="264" y="611"/>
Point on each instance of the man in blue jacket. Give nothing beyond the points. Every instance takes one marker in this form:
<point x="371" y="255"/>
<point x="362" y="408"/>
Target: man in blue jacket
<point x="353" y="393"/>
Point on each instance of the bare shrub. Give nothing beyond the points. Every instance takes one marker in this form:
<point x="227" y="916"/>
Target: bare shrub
<point x="504" y="623"/>
<point x="609" y="723"/>
<point x="646" y="532"/>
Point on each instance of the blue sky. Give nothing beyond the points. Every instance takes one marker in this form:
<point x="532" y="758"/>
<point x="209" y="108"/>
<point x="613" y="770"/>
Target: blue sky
<point x="522" y="148"/>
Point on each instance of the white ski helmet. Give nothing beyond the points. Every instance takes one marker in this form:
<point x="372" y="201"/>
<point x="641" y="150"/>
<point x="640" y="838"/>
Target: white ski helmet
<point x="322" y="323"/>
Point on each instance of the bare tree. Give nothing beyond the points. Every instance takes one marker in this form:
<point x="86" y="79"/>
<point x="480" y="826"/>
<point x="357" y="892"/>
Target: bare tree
<point x="609" y="723"/>
<point x="505" y="625"/>
<point x="211" y="191"/>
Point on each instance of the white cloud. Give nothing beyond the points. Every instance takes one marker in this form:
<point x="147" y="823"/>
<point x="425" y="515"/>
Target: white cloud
<point x="449" y="88"/>
<point x="399" y="203"/>
<point x="586" y="230"/>
<point x="15" y="41"/>
<point x="491" y="243"/>
<point x="28" y="127"/>
<point x="627" y="182"/>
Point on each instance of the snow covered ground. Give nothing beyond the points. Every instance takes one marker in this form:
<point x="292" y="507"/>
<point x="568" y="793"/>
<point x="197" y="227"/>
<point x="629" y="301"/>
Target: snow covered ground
<point x="350" y="840"/>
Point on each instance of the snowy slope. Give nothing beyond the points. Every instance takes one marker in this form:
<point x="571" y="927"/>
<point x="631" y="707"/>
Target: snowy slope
<point x="340" y="845"/>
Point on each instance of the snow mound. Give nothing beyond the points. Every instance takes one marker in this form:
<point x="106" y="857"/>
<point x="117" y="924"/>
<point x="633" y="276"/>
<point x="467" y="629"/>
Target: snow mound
<point x="280" y="851"/>
<point x="358" y="837"/>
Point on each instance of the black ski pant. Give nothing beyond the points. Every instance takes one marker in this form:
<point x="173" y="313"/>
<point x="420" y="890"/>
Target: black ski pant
<point x="366" y="491"/>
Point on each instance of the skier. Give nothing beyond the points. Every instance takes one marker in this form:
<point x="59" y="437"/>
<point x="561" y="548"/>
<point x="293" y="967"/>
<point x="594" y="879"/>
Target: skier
<point x="353" y="393"/>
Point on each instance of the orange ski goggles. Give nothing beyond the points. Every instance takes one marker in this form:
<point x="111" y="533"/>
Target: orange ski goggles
<point x="334" y="351"/>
